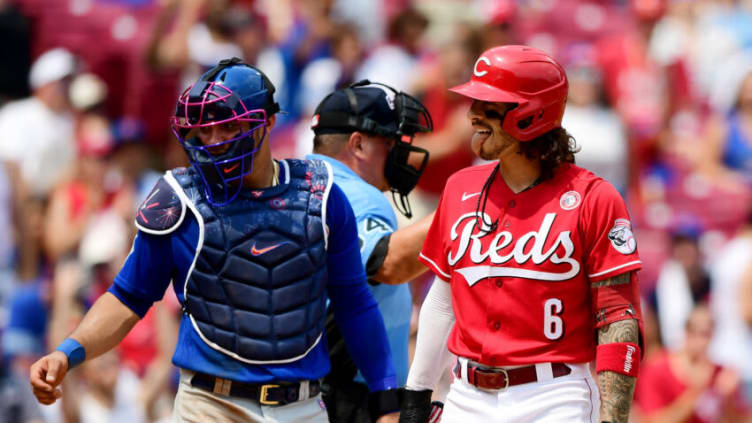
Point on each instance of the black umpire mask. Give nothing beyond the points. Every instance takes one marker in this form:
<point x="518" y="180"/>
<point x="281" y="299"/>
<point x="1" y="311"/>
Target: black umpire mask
<point x="379" y="109"/>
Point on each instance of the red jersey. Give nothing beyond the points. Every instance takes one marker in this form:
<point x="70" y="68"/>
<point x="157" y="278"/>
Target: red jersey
<point x="521" y="294"/>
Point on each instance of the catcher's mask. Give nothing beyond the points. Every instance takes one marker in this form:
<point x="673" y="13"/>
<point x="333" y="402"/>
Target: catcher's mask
<point x="236" y="96"/>
<point x="379" y="109"/>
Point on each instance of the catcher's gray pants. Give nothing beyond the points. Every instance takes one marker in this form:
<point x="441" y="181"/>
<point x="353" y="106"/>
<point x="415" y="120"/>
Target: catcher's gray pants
<point x="200" y="406"/>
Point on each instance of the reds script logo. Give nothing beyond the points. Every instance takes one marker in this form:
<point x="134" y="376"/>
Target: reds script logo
<point x="503" y="239"/>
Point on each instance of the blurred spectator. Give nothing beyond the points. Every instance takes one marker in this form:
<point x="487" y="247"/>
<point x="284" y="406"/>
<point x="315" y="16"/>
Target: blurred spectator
<point x="697" y="35"/>
<point x="449" y="143"/>
<point x="327" y="74"/>
<point x="682" y="284"/>
<point x="12" y="232"/>
<point x="93" y="197"/>
<point x="87" y="93"/>
<point x="732" y="343"/>
<point x="24" y="339"/>
<point x="394" y="62"/>
<point x="634" y="82"/>
<point x="111" y="392"/>
<point x="597" y="129"/>
<point x="76" y="201"/>
<point x="134" y="161"/>
<point x="193" y="45"/>
<point x="37" y="132"/>
<point x="368" y="17"/>
<point x="685" y="385"/>
<point x="652" y="338"/>
<point x="15" y="51"/>
<point x="729" y="140"/>
<point x="498" y="17"/>
<point x="322" y="76"/>
<point x="17" y="404"/>
<point x="308" y="39"/>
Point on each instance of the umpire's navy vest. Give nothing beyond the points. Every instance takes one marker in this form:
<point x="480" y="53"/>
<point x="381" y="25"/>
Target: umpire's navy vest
<point x="257" y="287"/>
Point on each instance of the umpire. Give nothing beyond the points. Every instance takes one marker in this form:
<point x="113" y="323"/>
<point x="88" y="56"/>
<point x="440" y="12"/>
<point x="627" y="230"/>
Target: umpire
<point x="365" y="133"/>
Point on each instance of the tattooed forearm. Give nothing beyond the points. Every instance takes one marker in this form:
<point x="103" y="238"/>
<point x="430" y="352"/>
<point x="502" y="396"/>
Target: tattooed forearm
<point x="616" y="280"/>
<point x="617" y="389"/>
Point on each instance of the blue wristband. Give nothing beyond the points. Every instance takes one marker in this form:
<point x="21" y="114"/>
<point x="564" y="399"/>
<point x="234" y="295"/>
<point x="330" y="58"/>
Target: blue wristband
<point x="73" y="350"/>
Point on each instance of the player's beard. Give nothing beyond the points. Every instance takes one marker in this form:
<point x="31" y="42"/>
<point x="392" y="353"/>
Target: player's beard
<point x="490" y="147"/>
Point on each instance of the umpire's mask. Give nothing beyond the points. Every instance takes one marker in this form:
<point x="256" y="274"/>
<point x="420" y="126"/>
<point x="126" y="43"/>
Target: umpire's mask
<point x="379" y="109"/>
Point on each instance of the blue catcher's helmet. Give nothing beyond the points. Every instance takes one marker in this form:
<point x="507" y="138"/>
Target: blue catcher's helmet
<point x="231" y="92"/>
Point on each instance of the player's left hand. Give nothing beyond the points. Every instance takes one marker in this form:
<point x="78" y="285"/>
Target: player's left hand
<point x="388" y="418"/>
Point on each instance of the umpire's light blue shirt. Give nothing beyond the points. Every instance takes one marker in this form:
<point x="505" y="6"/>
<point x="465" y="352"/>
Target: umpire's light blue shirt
<point x="375" y="218"/>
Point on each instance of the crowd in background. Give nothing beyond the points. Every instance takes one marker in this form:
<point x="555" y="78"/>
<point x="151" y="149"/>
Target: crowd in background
<point x="660" y="103"/>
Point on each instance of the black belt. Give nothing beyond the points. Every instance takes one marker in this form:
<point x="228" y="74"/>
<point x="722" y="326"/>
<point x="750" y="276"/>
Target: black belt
<point x="267" y="394"/>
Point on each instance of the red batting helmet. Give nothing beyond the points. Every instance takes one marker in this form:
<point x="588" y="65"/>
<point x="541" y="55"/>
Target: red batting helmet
<point x="527" y="77"/>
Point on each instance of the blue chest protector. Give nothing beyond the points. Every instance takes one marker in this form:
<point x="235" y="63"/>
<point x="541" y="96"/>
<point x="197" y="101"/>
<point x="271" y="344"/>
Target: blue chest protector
<point x="257" y="288"/>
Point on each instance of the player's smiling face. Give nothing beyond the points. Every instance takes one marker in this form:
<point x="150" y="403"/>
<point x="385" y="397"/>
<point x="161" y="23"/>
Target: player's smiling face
<point x="490" y="141"/>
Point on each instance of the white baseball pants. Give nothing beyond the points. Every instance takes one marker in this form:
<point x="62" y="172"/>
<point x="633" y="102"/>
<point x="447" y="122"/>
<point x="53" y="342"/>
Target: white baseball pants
<point x="573" y="398"/>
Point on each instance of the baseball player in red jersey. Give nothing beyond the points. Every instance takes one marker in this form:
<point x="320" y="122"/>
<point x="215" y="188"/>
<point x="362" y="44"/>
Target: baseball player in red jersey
<point x="535" y="266"/>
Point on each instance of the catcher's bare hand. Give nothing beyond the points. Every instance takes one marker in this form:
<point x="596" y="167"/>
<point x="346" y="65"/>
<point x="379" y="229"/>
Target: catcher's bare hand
<point x="46" y="375"/>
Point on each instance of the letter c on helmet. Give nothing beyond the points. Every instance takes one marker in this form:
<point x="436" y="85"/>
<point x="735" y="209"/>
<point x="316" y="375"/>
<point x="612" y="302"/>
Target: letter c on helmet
<point x="483" y="59"/>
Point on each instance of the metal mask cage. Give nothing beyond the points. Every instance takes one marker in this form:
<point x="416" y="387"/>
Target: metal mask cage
<point x="413" y="116"/>
<point x="207" y="104"/>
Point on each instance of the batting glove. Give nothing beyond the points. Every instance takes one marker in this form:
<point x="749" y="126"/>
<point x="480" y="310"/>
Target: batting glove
<point x="416" y="406"/>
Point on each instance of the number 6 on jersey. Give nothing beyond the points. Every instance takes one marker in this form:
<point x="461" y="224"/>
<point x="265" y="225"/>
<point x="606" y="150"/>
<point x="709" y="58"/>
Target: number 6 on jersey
<point x="553" y="326"/>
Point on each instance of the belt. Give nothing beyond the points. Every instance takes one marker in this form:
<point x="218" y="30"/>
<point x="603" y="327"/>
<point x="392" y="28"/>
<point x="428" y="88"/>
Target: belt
<point x="267" y="394"/>
<point x="498" y="378"/>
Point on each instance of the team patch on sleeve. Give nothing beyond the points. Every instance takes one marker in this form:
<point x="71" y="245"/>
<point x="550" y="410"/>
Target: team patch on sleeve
<point x="162" y="211"/>
<point x="374" y="224"/>
<point x="622" y="238"/>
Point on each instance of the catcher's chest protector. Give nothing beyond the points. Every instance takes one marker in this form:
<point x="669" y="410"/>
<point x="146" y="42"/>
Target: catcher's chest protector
<point x="257" y="289"/>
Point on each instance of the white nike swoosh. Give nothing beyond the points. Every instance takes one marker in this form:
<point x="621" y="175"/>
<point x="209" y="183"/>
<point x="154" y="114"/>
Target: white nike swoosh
<point x="465" y="195"/>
